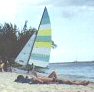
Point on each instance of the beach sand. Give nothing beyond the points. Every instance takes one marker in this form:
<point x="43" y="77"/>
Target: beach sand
<point x="7" y="84"/>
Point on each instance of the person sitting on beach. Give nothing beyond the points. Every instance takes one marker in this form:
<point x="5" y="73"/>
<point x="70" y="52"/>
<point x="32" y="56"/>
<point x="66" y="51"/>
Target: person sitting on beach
<point x="2" y="66"/>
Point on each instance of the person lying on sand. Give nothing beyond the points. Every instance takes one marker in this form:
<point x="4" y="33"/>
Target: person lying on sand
<point x="51" y="79"/>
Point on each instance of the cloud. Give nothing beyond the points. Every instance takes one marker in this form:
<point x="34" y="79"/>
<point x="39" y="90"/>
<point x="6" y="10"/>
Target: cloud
<point x="80" y="2"/>
<point x="68" y="2"/>
<point x="70" y="8"/>
<point x="67" y="13"/>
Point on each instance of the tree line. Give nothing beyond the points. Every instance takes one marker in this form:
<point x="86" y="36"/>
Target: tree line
<point x="12" y="39"/>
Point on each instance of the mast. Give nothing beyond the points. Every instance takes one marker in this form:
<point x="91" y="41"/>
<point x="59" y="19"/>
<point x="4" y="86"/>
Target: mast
<point x="31" y="49"/>
<point x="35" y="36"/>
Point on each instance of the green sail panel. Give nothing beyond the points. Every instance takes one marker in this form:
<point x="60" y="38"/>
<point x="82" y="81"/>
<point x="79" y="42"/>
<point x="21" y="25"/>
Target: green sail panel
<point x="42" y="47"/>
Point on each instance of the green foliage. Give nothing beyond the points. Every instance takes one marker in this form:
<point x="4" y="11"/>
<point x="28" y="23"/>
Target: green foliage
<point x="53" y="45"/>
<point x="13" y="40"/>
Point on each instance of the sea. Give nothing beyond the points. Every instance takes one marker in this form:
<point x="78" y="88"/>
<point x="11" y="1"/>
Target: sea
<point x="74" y="70"/>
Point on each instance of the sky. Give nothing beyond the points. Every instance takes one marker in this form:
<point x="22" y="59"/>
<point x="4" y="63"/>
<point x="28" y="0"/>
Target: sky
<point x="72" y="23"/>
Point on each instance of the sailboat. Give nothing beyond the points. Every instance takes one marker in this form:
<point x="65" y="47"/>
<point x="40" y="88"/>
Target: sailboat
<point x="37" y="49"/>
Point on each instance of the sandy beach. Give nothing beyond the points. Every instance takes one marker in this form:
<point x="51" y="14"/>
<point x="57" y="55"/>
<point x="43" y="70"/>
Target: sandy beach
<point x="7" y="84"/>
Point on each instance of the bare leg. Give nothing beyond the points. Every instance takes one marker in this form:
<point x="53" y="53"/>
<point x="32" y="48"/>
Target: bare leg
<point x="53" y="75"/>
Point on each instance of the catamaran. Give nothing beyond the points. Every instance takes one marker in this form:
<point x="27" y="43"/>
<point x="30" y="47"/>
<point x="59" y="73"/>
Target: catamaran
<point x="37" y="49"/>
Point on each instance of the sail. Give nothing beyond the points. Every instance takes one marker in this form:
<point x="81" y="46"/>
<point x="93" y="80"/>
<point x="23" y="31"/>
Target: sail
<point x="23" y="56"/>
<point x="42" y="47"/>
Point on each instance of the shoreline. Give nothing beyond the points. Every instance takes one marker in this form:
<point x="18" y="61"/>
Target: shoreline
<point x="74" y="62"/>
<point x="8" y="85"/>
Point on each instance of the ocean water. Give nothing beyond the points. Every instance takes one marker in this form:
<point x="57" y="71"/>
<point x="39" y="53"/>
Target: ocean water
<point x="74" y="70"/>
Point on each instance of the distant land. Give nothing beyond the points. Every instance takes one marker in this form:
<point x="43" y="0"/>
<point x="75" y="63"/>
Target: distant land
<point x="74" y="62"/>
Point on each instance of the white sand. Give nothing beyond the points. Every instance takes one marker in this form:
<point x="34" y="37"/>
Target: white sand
<point x="7" y="84"/>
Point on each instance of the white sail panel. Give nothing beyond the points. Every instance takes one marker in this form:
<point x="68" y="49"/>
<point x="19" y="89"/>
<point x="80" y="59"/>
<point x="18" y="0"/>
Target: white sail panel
<point x="23" y="56"/>
<point x="46" y="26"/>
<point x="39" y="63"/>
<point x="41" y="51"/>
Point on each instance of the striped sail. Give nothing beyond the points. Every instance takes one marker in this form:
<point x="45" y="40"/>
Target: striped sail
<point x="23" y="56"/>
<point x="42" y="47"/>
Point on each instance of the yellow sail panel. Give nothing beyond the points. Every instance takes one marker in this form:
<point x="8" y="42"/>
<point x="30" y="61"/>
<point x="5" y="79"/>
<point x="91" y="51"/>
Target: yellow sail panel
<point x="46" y="32"/>
<point x="43" y="44"/>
